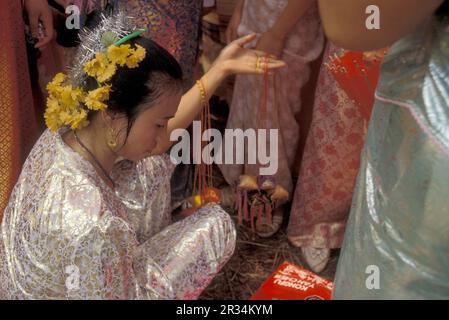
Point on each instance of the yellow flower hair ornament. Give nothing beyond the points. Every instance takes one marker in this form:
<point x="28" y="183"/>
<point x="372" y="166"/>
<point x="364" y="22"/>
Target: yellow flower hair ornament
<point x="64" y="105"/>
<point x="104" y="65"/>
<point x="70" y="106"/>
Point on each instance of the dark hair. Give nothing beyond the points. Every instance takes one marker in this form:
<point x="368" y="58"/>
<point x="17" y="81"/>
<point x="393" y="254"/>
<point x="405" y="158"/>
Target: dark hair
<point x="159" y="72"/>
<point x="443" y="10"/>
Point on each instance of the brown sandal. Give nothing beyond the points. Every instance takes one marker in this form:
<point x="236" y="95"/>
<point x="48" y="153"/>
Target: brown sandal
<point x="265" y="229"/>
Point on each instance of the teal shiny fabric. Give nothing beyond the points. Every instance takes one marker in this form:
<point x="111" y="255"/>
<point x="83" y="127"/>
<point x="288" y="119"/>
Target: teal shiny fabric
<point x="398" y="230"/>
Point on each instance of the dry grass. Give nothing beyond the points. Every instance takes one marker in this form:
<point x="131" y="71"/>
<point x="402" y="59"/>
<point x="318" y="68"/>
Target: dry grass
<point x="254" y="260"/>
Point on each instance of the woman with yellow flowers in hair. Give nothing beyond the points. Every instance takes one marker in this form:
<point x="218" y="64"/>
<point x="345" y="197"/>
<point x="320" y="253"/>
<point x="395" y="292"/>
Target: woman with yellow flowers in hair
<point x="89" y="217"/>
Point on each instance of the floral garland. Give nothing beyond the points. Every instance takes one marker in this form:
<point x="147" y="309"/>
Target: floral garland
<point x="70" y="106"/>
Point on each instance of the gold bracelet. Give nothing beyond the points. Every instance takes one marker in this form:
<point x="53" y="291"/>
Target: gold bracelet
<point x="200" y="86"/>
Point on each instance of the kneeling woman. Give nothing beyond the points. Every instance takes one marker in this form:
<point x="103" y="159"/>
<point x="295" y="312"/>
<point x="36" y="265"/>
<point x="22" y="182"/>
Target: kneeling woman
<point x="89" y="217"/>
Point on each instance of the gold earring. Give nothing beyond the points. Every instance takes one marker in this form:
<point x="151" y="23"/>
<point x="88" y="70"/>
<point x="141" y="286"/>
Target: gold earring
<point x="112" y="139"/>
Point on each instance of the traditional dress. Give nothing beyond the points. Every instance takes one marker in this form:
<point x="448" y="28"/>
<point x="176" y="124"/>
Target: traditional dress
<point x="303" y="45"/>
<point x="329" y="165"/>
<point x="66" y="234"/>
<point x="397" y="238"/>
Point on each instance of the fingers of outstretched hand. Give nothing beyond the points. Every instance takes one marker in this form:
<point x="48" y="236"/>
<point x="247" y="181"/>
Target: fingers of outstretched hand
<point x="271" y="66"/>
<point x="260" y="65"/>
<point x="266" y="63"/>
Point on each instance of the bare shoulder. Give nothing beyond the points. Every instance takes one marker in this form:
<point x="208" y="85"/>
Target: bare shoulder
<point x="349" y="23"/>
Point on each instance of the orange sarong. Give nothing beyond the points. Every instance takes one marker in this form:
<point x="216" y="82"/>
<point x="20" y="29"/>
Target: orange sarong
<point x="18" y="126"/>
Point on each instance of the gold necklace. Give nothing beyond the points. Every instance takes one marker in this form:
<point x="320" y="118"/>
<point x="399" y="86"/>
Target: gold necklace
<point x="98" y="164"/>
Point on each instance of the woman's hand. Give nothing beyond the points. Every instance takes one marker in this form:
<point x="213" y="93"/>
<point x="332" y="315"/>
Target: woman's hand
<point x="235" y="59"/>
<point x="231" y="30"/>
<point x="39" y="10"/>
<point x="271" y="43"/>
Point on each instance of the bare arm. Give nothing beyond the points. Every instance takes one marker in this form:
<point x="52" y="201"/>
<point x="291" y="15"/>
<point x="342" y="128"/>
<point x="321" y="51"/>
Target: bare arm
<point x="294" y="10"/>
<point x="344" y="21"/>
<point x="232" y="60"/>
<point x="231" y="30"/>
<point x="273" y="40"/>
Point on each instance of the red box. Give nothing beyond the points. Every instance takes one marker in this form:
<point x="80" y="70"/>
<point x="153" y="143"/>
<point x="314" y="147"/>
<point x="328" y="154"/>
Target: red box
<point x="290" y="282"/>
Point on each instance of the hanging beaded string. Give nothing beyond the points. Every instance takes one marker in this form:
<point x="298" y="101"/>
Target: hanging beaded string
<point x="253" y="210"/>
<point x="262" y="116"/>
<point x="263" y="202"/>
<point x="203" y="171"/>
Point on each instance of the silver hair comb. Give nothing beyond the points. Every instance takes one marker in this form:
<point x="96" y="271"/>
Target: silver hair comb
<point x="111" y="29"/>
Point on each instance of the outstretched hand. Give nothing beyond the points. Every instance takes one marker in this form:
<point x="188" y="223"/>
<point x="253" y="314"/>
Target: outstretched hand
<point x="235" y="59"/>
